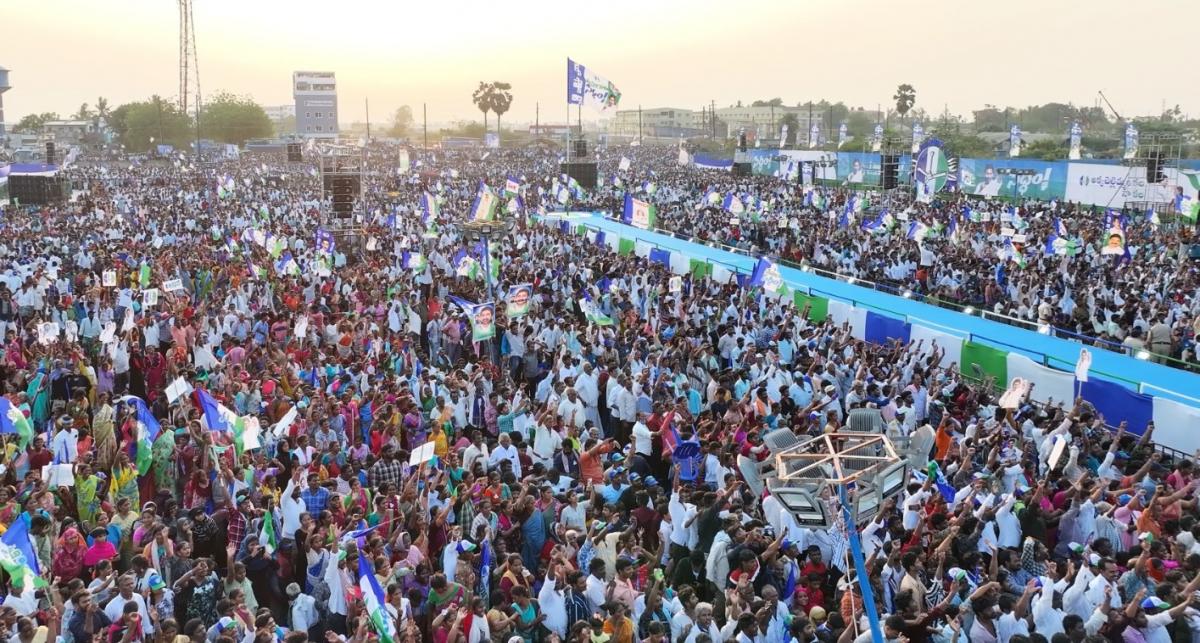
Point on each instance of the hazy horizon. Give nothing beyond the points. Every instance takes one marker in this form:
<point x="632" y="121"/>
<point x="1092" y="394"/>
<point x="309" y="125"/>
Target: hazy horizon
<point x="664" y="54"/>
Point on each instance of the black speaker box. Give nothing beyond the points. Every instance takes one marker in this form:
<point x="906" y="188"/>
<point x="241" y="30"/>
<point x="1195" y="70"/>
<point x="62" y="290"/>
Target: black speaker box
<point x="37" y="190"/>
<point x="742" y="169"/>
<point x="889" y="170"/>
<point x="582" y="171"/>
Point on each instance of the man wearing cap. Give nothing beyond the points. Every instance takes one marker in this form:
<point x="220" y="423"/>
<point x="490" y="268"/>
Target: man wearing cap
<point x="1150" y="616"/>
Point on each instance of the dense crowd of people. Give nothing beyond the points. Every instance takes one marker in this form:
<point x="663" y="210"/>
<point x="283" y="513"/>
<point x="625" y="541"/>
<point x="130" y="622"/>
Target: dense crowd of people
<point x="994" y="255"/>
<point x="218" y="428"/>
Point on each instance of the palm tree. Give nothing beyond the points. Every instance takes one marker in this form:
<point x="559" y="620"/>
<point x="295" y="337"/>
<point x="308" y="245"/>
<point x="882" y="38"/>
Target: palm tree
<point x="84" y="113"/>
<point x="905" y="98"/>
<point x="500" y="100"/>
<point x="482" y="100"/>
<point x="102" y="109"/>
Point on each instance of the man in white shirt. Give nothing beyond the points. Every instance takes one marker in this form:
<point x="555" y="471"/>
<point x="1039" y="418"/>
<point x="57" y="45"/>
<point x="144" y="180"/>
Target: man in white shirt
<point x="476" y="452"/>
<point x="505" y="452"/>
<point x="125" y="594"/>
<point x="553" y="604"/>
<point x="643" y="437"/>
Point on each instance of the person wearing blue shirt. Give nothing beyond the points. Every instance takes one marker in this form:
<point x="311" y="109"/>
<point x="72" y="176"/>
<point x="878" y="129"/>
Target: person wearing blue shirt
<point x="786" y="351"/>
<point x="612" y="491"/>
<point x="315" y="497"/>
<point x="261" y="329"/>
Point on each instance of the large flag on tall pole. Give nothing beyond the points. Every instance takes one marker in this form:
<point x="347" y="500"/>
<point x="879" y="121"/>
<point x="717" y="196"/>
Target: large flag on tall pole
<point x="585" y="87"/>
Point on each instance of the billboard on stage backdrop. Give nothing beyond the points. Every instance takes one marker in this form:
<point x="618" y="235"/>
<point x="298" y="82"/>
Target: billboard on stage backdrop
<point x="863" y="168"/>
<point x="764" y="162"/>
<point x="986" y="177"/>
<point x="1115" y="185"/>
<point x="820" y="172"/>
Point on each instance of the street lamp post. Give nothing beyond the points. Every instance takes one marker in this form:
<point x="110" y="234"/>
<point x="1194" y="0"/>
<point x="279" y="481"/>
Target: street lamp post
<point x="485" y="231"/>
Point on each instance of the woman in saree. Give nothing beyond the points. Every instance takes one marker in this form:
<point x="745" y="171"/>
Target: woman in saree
<point x="68" y="556"/>
<point x="103" y="433"/>
<point x="9" y="507"/>
<point x="87" y="496"/>
<point x="124" y="485"/>
<point x="358" y="496"/>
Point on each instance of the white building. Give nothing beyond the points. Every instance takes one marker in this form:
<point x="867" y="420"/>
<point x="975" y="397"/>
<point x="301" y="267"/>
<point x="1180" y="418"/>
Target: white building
<point x="315" y="94"/>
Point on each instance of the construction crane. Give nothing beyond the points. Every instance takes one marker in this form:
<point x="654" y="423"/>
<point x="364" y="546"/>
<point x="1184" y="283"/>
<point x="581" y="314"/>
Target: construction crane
<point x="189" y="67"/>
<point x="1110" y="106"/>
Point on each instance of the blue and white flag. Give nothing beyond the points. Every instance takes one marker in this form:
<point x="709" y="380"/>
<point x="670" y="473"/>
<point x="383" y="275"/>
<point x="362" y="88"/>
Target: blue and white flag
<point x="766" y="275"/>
<point x="917" y="231"/>
<point x="1014" y="141"/>
<point x="512" y="187"/>
<point x="843" y="135"/>
<point x="429" y="208"/>
<point x="814" y="135"/>
<point x="216" y="416"/>
<point x="918" y="137"/>
<point x="484" y="207"/>
<point x="1131" y="141"/>
<point x="1059" y="228"/>
<point x="733" y="204"/>
<point x="1075" y="147"/>
<point x="588" y="88"/>
<point x="375" y="602"/>
<point x="881" y="222"/>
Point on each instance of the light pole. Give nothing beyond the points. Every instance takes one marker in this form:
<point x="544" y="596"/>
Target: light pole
<point x="485" y="231"/>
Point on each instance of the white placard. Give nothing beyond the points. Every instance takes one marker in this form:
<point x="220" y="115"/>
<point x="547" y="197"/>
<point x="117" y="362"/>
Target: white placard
<point x="372" y="244"/>
<point x="109" y="333"/>
<point x="1007" y="232"/>
<point x="58" y="475"/>
<point x="421" y="454"/>
<point x="47" y="333"/>
<point x="250" y="434"/>
<point x="676" y="284"/>
<point x="178" y="389"/>
<point x="128" y="324"/>
<point x="1083" y="365"/>
<point x="1056" y="454"/>
<point x="1012" y="397"/>
<point x="285" y="422"/>
<point x="302" y="327"/>
<point x="72" y="330"/>
<point x="109" y="279"/>
<point x="171" y="285"/>
<point x="150" y="297"/>
<point x="1018" y="238"/>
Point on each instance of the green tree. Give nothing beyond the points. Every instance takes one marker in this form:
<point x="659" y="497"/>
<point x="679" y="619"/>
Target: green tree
<point x="142" y="124"/>
<point x="83" y="114"/>
<point x="500" y="100"/>
<point x="905" y="98"/>
<point x="1047" y="150"/>
<point x="32" y="123"/>
<point x="102" y="109"/>
<point x="773" y="102"/>
<point x="989" y="119"/>
<point x="402" y="121"/>
<point x="234" y="119"/>
<point x="958" y="144"/>
<point x="482" y="99"/>
<point x="859" y="123"/>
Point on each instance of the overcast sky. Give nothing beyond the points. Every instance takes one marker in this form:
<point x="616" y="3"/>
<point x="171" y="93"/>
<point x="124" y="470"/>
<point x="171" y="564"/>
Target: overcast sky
<point x="677" y="53"/>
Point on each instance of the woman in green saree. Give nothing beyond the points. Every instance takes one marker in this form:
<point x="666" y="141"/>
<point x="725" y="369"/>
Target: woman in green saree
<point x="124" y="481"/>
<point x="87" y="498"/>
